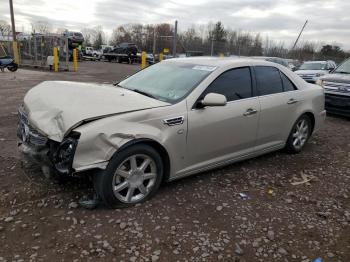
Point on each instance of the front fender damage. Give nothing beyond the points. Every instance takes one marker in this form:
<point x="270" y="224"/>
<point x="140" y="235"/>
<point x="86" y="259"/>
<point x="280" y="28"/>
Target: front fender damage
<point x="98" y="150"/>
<point x="100" y="139"/>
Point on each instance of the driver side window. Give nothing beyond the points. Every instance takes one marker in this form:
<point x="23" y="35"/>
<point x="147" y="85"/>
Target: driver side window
<point x="235" y="84"/>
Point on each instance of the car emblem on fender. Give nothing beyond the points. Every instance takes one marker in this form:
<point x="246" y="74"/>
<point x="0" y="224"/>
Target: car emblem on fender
<point x="343" y="89"/>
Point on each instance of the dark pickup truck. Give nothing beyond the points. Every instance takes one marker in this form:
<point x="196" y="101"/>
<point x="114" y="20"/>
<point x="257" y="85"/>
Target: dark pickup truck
<point x="337" y="89"/>
<point x="123" y="52"/>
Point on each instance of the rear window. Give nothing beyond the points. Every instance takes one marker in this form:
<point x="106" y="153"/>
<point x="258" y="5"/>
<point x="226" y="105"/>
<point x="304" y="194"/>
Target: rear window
<point x="268" y="80"/>
<point x="287" y="84"/>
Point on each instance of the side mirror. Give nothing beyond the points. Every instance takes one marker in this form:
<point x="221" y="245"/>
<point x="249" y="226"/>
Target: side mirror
<point x="214" y="99"/>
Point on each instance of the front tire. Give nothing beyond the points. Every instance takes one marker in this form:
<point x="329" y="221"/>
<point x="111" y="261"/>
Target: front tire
<point x="299" y="135"/>
<point x="132" y="176"/>
<point x="13" y="67"/>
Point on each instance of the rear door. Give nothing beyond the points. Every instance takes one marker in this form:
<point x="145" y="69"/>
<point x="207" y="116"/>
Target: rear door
<point x="279" y="99"/>
<point x="220" y="133"/>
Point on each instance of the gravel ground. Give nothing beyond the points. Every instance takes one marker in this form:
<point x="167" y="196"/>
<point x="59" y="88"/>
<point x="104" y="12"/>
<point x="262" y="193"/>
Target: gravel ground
<point x="199" y="218"/>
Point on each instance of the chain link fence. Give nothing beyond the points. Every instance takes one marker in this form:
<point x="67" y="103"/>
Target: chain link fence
<point x="5" y="48"/>
<point x="37" y="50"/>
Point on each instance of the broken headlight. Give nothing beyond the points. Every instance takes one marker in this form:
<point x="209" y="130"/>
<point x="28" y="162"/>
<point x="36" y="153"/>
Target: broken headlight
<point x="63" y="158"/>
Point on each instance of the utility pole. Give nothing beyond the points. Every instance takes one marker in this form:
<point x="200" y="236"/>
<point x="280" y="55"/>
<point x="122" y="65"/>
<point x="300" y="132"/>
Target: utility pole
<point x="174" y="39"/>
<point x="212" y="47"/>
<point x="301" y="31"/>
<point x="154" y="44"/>
<point x="12" y="22"/>
<point x="14" y="40"/>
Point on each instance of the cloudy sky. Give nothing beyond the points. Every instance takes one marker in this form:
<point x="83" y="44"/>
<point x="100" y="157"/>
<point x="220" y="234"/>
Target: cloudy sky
<point x="329" y="20"/>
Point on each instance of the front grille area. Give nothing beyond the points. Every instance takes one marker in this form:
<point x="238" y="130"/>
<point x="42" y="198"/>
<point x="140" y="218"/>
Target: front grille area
<point x="308" y="77"/>
<point x="339" y="104"/>
<point x="27" y="133"/>
<point x="342" y="88"/>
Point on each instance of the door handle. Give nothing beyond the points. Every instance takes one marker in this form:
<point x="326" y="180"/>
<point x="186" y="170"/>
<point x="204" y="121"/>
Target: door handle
<point x="292" y="101"/>
<point x="250" y="111"/>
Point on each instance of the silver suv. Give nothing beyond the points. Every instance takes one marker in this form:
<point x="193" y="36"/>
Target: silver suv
<point x="337" y="89"/>
<point x="310" y="71"/>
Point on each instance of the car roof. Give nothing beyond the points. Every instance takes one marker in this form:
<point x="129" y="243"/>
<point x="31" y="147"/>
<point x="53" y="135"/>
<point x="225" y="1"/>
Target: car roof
<point x="219" y="61"/>
<point x="312" y="62"/>
<point x="267" y="57"/>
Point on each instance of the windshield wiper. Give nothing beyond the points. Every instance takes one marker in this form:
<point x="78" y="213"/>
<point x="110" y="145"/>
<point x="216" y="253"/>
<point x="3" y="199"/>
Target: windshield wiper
<point x="238" y="95"/>
<point x="341" y="72"/>
<point x="143" y="93"/>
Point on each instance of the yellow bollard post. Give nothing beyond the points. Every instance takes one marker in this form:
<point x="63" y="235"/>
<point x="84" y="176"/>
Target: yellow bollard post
<point x="55" y="59"/>
<point x="15" y="52"/>
<point x="161" y="57"/>
<point x="143" y="60"/>
<point x="221" y="55"/>
<point x="75" y="60"/>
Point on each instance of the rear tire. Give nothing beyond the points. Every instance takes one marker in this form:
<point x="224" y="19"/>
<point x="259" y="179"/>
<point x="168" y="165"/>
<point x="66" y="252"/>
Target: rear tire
<point x="299" y="135"/>
<point x="132" y="176"/>
<point x="13" y="67"/>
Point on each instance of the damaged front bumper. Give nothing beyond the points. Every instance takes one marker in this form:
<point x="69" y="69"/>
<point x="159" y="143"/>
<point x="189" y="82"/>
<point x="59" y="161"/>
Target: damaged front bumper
<point x="52" y="156"/>
<point x="39" y="157"/>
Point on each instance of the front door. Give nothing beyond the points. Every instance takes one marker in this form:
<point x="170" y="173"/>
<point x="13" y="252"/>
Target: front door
<point x="221" y="133"/>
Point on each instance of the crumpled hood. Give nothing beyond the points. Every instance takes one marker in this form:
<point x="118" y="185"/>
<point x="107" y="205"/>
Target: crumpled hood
<point x="311" y="72"/>
<point x="56" y="107"/>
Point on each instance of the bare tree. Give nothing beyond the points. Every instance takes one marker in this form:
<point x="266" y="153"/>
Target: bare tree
<point x="228" y="41"/>
<point x="88" y="34"/>
<point x="121" y="34"/>
<point x="94" y="36"/>
<point x="99" y="37"/>
<point x="305" y="51"/>
<point x="5" y="29"/>
<point x="41" y="27"/>
<point x="61" y="30"/>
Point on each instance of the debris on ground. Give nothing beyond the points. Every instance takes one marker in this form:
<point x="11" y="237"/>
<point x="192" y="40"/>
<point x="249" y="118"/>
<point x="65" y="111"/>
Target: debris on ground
<point x="243" y="196"/>
<point x="305" y="179"/>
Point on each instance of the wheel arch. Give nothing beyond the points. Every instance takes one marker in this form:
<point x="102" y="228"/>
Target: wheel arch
<point x="312" y="118"/>
<point x="157" y="146"/>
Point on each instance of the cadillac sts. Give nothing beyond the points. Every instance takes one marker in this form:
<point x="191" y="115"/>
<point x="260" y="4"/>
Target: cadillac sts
<point x="173" y="119"/>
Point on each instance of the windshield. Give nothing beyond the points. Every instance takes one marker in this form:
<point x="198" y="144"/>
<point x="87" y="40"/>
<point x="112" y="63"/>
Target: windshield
<point x="169" y="82"/>
<point x="313" y="66"/>
<point x="343" y="68"/>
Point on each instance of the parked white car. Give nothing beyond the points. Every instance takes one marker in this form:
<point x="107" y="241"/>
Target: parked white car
<point x="173" y="119"/>
<point x="88" y="51"/>
<point x="310" y="71"/>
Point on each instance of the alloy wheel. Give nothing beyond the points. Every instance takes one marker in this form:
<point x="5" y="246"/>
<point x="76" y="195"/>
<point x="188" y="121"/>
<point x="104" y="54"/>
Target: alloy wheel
<point x="134" y="178"/>
<point x="300" y="134"/>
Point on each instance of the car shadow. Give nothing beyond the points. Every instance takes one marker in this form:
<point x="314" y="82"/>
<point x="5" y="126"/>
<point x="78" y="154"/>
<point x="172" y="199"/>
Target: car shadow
<point x="341" y="117"/>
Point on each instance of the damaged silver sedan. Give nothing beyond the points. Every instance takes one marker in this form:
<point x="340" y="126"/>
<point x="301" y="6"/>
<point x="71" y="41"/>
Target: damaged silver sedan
<point x="170" y="120"/>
